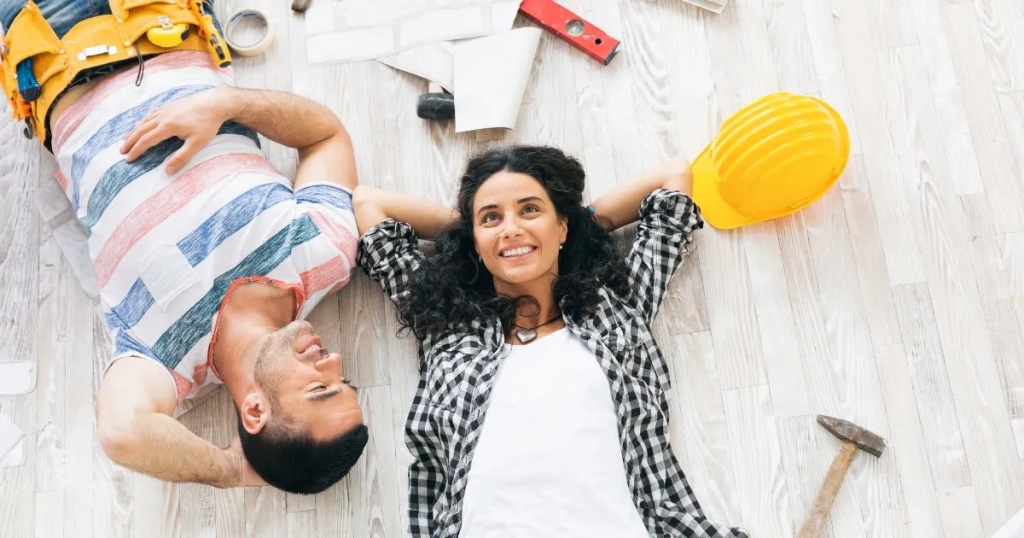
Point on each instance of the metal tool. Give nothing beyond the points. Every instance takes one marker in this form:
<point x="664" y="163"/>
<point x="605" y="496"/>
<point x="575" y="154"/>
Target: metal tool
<point x="572" y="28"/>
<point x="853" y="437"/>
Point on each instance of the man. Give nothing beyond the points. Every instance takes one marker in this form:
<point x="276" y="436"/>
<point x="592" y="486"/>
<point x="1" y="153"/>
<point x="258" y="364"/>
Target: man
<point x="207" y="259"/>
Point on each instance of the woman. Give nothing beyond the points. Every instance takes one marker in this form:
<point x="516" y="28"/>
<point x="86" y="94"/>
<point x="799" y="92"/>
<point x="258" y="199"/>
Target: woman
<point x="539" y="374"/>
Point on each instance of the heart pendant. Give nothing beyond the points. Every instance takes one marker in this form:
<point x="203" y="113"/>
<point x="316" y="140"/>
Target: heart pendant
<point x="526" y="335"/>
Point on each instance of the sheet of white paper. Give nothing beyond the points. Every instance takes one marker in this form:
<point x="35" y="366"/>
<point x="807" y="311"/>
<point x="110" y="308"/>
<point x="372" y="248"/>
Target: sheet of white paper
<point x="355" y="30"/>
<point x="433" y="61"/>
<point x="714" y="6"/>
<point x="10" y="436"/>
<point x="17" y="378"/>
<point x="16" y="457"/>
<point x="491" y="74"/>
<point x="1014" y="528"/>
<point x="69" y="234"/>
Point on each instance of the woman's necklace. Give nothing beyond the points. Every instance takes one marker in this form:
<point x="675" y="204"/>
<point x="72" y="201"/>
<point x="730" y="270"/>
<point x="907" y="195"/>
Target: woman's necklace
<point x="527" y="334"/>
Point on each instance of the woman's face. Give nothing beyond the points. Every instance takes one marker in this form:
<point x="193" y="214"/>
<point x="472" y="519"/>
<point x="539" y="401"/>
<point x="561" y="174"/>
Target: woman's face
<point x="516" y="229"/>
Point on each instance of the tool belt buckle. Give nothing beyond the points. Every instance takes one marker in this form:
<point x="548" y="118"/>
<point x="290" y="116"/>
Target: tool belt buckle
<point x="97" y="50"/>
<point x="165" y="22"/>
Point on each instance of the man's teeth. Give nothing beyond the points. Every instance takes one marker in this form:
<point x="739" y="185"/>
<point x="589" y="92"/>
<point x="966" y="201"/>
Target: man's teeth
<point x="517" y="252"/>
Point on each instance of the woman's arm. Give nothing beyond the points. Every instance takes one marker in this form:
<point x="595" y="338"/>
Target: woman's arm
<point x="373" y="206"/>
<point x="620" y="206"/>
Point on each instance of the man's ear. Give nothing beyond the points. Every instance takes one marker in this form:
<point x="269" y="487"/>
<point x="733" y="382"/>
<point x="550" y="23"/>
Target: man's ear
<point x="255" y="412"/>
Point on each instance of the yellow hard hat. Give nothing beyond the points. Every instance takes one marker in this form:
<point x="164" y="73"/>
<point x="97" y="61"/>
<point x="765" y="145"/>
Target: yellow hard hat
<point x="771" y="158"/>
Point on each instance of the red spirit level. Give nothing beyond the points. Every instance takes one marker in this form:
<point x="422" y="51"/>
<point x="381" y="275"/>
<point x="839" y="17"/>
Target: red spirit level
<point x="572" y="28"/>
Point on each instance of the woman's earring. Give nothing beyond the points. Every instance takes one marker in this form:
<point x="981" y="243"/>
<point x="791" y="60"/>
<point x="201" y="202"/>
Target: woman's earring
<point x="560" y="246"/>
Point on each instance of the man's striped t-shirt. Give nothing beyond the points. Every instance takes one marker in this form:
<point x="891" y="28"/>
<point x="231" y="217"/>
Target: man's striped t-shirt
<point x="167" y="249"/>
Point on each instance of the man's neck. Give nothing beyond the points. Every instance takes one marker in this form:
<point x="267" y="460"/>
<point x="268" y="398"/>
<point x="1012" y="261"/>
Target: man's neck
<point x="252" y="312"/>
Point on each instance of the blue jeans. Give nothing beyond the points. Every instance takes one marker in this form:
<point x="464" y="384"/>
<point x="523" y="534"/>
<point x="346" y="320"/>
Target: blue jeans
<point x="65" y="14"/>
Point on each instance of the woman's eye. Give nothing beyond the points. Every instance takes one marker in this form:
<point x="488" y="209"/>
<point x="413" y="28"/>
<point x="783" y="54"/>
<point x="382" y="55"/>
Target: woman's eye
<point x="490" y="217"/>
<point x="530" y="209"/>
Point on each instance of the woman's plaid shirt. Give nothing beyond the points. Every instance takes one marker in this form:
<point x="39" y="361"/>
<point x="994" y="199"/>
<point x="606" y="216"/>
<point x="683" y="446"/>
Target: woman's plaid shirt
<point x="457" y="371"/>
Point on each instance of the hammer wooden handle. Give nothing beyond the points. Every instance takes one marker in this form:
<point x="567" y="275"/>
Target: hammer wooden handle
<point x="815" y="521"/>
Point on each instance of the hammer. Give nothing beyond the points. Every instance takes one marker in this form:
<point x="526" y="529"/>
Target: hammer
<point x="853" y="437"/>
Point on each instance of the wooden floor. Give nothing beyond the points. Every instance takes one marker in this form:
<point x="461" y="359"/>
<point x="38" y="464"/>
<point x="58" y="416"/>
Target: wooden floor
<point x="896" y="301"/>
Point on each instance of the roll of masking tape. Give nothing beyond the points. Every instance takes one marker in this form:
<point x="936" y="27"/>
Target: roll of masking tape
<point x="245" y="49"/>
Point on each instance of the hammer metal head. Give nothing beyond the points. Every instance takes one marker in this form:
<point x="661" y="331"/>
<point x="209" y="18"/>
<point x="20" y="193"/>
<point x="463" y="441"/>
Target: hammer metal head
<point x="847" y="431"/>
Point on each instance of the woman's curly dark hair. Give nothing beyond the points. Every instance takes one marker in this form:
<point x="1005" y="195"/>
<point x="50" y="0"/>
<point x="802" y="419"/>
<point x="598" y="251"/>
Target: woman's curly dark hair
<point x="454" y="288"/>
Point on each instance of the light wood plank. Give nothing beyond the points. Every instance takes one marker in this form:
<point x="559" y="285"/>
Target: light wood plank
<point x="941" y="427"/>
<point x="893" y="210"/>
<point x="892" y="23"/>
<point x="1018" y="435"/>
<point x="20" y="265"/>
<point x="760" y="479"/>
<point x="997" y="302"/>
<point x="828" y="65"/>
<point x="984" y="118"/>
<point x="741" y="53"/>
<point x="265" y="513"/>
<point x="791" y="47"/>
<point x="697" y="426"/>
<point x="114" y="485"/>
<point x="907" y="442"/>
<point x="867" y="251"/>
<point x="997" y="19"/>
<point x="156" y="511"/>
<point x="79" y="415"/>
<point x="730" y="308"/>
<point x="1012" y="107"/>
<point x="302" y="525"/>
<point x="775" y="320"/>
<point x="50" y="514"/>
<point x="198" y="507"/>
<point x="959" y="510"/>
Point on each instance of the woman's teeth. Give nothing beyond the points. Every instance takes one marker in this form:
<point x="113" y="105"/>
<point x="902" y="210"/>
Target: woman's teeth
<point x="516" y="252"/>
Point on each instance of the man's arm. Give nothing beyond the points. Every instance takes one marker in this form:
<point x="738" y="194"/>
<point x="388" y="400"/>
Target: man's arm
<point x="620" y="206"/>
<point x="136" y="430"/>
<point x="372" y="206"/>
<point x="325" y="149"/>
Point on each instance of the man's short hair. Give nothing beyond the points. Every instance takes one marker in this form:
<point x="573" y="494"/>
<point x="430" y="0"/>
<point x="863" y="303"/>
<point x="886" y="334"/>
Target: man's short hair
<point x="295" y="462"/>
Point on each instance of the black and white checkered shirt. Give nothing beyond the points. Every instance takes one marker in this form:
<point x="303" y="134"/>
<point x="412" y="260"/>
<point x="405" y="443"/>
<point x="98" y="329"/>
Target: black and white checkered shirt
<point x="457" y="371"/>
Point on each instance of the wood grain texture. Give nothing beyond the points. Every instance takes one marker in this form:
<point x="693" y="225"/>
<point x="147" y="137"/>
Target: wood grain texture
<point x="930" y="380"/>
<point x="760" y="482"/>
<point x="774" y="312"/>
<point x="959" y="510"/>
<point x="697" y="425"/>
<point x="896" y="301"/>
<point x="730" y="308"/>
<point x="20" y="265"/>
<point x="867" y="251"/>
<point x="893" y="210"/>
<point x="907" y="442"/>
<point x="984" y="118"/>
<point x="997" y="302"/>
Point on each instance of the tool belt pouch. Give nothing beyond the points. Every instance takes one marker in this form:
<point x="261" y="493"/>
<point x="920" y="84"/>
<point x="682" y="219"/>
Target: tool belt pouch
<point x="95" y="42"/>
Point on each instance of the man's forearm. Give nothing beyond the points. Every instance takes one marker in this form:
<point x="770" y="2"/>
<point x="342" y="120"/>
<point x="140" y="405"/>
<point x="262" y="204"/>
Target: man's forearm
<point x="285" y="118"/>
<point x="160" y="446"/>
<point x="621" y="205"/>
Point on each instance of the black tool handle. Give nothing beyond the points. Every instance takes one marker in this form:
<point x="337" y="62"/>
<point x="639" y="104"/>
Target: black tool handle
<point x="436" y="106"/>
<point x="28" y="86"/>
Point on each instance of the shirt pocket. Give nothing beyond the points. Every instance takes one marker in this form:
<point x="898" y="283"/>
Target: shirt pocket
<point x="168" y="275"/>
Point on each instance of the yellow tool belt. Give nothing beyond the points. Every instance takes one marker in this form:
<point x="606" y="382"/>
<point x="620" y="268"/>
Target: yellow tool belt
<point x="134" y="28"/>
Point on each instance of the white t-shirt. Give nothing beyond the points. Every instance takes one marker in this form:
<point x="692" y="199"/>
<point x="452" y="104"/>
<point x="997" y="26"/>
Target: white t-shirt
<point x="548" y="462"/>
